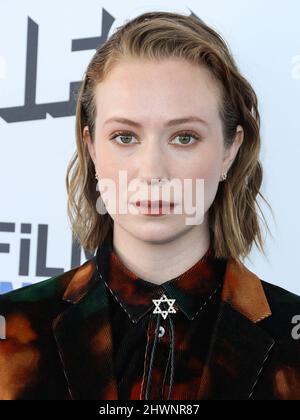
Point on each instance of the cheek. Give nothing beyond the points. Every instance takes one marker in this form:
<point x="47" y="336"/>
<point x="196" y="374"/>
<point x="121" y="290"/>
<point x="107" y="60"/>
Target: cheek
<point x="207" y="166"/>
<point x="208" y="169"/>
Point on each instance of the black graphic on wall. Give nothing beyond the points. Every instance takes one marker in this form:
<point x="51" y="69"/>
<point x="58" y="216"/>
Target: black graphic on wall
<point x="31" y="110"/>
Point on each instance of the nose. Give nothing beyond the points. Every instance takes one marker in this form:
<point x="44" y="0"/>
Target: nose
<point x="152" y="163"/>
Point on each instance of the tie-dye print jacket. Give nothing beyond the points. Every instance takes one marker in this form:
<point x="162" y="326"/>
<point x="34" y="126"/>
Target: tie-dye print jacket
<point x="58" y="342"/>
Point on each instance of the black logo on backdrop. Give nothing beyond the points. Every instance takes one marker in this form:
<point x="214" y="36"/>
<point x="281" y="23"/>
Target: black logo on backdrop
<point x="25" y="248"/>
<point x="30" y="110"/>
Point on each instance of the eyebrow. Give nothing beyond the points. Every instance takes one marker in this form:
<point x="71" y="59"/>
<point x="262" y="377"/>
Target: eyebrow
<point x="170" y="123"/>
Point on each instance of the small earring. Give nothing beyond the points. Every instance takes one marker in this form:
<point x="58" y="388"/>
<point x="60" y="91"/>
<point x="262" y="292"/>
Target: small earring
<point x="223" y="176"/>
<point x="96" y="176"/>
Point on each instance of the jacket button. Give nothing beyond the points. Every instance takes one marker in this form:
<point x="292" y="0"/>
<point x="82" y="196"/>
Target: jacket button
<point x="161" y="331"/>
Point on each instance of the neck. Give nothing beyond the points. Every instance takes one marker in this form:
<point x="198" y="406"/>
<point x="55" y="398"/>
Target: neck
<point x="161" y="261"/>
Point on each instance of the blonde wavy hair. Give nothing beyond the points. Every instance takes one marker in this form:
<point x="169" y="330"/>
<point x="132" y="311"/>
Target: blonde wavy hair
<point x="233" y="216"/>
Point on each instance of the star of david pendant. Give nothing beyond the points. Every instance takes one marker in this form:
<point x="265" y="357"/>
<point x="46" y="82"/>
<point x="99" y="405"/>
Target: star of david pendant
<point x="158" y="310"/>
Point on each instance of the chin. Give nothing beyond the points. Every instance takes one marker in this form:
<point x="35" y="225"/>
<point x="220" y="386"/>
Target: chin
<point x="154" y="232"/>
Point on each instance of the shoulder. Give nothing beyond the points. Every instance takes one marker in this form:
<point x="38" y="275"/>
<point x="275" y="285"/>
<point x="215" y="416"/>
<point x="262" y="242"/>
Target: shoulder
<point x="280" y="298"/>
<point x="282" y="371"/>
<point x="30" y="362"/>
<point x="285" y="308"/>
<point x="46" y="295"/>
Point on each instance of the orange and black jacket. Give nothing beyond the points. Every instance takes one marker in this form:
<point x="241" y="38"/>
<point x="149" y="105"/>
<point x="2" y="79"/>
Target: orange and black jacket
<point x="98" y="332"/>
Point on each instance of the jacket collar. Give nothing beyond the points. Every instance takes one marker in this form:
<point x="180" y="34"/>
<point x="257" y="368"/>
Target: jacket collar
<point x="238" y="347"/>
<point x="242" y="289"/>
<point x="191" y="290"/>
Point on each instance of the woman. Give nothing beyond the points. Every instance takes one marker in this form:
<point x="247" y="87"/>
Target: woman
<point x="165" y="309"/>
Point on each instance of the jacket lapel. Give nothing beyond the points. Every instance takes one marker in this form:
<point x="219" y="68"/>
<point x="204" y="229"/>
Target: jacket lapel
<point x="84" y="337"/>
<point x="239" y="348"/>
<point x="238" y="351"/>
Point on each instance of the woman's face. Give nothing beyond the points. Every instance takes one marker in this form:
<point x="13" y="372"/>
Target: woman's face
<point x="150" y="95"/>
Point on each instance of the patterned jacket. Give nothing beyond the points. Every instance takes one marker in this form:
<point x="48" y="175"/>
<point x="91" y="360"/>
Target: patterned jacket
<point x="58" y="342"/>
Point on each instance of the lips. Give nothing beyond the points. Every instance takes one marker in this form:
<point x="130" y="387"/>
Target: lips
<point x="153" y="204"/>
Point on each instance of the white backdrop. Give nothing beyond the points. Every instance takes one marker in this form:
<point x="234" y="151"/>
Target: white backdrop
<point x="44" y="50"/>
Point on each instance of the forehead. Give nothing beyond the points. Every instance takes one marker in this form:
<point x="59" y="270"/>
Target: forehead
<point x="164" y="88"/>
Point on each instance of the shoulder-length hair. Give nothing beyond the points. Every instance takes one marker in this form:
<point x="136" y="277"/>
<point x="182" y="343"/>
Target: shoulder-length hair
<point x="233" y="216"/>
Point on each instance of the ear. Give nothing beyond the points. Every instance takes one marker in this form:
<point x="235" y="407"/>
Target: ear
<point x="90" y="144"/>
<point x="231" y="152"/>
